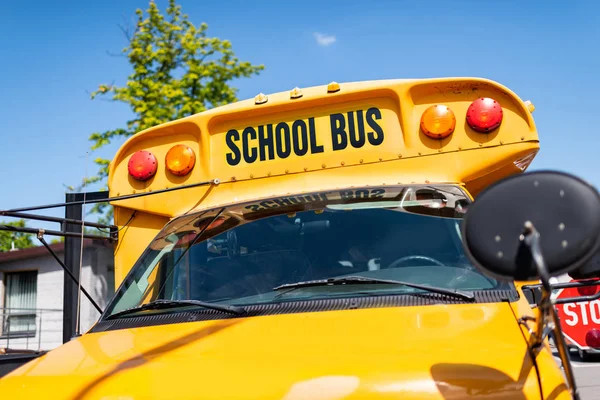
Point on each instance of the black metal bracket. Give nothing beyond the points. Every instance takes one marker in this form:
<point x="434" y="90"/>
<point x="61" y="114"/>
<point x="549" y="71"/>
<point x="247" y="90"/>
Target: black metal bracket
<point x="54" y="219"/>
<point x="72" y="230"/>
<point x="102" y="197"/>
<point x="94" y="196"/>
<point x="548" y="321"/>
<point x="34" y="231"/>
<point x="583" y="283"/>
<point x="40" y="237"/>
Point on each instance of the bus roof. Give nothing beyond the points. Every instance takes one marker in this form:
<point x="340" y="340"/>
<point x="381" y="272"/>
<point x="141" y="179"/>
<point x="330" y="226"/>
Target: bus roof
<point x="327" y="137"/>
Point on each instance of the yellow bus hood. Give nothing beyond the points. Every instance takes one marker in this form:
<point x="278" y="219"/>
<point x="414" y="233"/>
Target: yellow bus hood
<point x="429" y="352"/>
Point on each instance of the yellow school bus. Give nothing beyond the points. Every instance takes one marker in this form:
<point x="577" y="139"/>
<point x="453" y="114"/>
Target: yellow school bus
<point x="307" y="244"/>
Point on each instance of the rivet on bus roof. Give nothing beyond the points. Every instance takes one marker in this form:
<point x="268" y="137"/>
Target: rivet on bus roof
<point x="439" y="150"/>
<point x="295" y="93"/>
<point x="260" y="98"/>
<point x="522" y="137"/>
<point x="530" y="106"/>
<point x="480" y="144"/>
<point x="268" y="174"/>
<point x="380" y="159"/>
<point x="323" y="165"/>
<point x="233" y="178"/>
<point x="360" y="161"/>
<point x="287" y="171"/>
<point x="118" y="194"/>
<point x="501" y="142"/>
<point x="426" y="181"/>
<point x="134" y="192"/>
<point x="251" y="176"/>
<point x="343" y="163"/>
<point x="399" y="155"/>
<point x="419" y="153"/>
<point x="459" y="148"/>
<point x="333" y="87"/>
<point x="305" y="169"/>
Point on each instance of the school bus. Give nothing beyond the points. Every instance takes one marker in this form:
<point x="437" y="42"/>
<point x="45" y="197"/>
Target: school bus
<point x="307" y="244"/>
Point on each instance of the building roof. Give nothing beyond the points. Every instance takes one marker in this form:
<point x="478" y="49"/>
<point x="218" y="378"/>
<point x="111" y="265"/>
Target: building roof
<point x="41" y="251"/>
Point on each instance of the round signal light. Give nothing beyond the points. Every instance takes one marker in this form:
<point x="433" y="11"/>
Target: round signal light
<point x="180" y="160"/>
<point x="592" y="338"/>
<point x="587" y="290"/>
<point x="484" y="115"/>
<point x="438" y="121"/>
<point x="142" y="165"/>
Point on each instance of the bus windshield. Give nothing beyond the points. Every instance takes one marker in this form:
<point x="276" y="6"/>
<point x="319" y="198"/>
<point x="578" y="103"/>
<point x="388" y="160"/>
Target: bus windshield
<point x="240" y="254"/>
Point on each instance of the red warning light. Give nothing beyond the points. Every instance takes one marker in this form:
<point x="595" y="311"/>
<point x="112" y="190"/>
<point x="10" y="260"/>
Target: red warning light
<point x="142" y="165"/>
<point x="587" y="290"/>
<point x="592" y="338"/>
<point x="484" y="115"/>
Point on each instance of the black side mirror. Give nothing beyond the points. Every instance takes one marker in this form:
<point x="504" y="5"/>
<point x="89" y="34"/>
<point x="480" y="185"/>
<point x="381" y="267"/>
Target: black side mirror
<point x="590" y="270"/>
<point x="531" y="227"/>
<point x="563" y="209"/>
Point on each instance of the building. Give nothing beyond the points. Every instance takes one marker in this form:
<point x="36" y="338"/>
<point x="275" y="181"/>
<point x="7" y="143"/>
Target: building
<point x="31" y="293"/>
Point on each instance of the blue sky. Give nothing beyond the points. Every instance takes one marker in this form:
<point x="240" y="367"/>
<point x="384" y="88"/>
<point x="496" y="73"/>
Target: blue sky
<point x="53" y="54"/>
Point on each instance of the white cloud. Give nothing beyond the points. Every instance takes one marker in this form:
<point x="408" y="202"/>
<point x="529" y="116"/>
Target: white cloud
<point x="324" y="40"/>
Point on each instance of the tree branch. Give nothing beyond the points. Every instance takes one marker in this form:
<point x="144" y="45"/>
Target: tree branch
<point x="116" y="55"/>
<point x="126" y="32"/>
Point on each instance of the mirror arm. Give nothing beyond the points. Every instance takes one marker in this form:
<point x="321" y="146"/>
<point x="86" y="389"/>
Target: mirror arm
<point x="531" y="239"/>
<point x="533" y="289"/>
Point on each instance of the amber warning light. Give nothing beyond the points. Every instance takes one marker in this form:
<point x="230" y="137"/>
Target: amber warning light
<point x="438" y="122"/>
<point x="180" y="160"/>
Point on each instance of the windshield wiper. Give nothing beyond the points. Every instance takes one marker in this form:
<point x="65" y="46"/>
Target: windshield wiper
<point x="465" y="295"/>
<point x="166" y="304"/>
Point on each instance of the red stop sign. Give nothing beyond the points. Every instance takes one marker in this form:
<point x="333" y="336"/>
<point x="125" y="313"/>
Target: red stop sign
<point x="580" y="322"/>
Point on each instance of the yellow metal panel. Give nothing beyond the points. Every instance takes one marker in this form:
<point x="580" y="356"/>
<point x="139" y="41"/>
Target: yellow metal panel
<point x="135" y="233"/>
<point x="553" y="382"/>
<point x="552" y="379"/>
<point x="388" y="110"/>
<point x="451" y="167"/>
<point x="427" y="352"/>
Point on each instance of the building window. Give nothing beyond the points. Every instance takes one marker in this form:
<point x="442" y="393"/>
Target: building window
<point x="20" y="293"/>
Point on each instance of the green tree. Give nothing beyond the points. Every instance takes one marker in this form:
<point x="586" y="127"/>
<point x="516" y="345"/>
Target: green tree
<point x="21" y="240"/>
<point x="177" y="71"/>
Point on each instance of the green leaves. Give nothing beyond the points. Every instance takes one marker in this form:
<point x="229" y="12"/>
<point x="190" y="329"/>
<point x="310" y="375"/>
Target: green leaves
<point x="177" y="71"/>
<point x="20" y="240"/>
